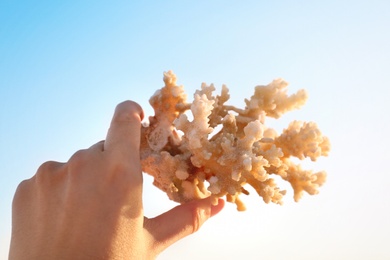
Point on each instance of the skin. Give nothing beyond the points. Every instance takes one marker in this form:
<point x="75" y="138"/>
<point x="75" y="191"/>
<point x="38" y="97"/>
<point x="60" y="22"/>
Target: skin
<point x="91" y="206"/>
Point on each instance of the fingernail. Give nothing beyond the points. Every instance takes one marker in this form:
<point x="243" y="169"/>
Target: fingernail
<point x="215" y="209"/>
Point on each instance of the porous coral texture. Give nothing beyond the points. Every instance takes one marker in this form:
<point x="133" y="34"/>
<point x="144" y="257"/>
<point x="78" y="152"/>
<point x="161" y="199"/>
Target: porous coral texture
<point x="222" y="148"/>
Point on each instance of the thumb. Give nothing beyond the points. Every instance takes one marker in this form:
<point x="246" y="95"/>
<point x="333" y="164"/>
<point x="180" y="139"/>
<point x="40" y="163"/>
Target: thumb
<point x="181" y="221"/>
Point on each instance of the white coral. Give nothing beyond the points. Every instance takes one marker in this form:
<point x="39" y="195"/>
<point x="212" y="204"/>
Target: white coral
<point x="244" y="151"/>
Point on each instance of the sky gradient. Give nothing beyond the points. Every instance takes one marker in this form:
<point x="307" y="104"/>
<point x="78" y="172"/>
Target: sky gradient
<point x="65" y="66"/>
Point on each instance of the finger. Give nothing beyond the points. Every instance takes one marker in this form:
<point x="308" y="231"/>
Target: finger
<point x="181" y="221"/>
<point x="99" y="146"/>
<point x="123" y="137"/>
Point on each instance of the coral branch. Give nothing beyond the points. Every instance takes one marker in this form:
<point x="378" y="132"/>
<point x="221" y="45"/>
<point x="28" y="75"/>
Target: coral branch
<point x="189" y="160"/>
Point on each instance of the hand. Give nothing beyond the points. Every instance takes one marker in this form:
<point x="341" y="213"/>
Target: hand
<point x="91" y="206"/>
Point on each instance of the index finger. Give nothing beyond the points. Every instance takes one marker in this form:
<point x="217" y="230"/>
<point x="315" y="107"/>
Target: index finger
<point x="123" y="137"/>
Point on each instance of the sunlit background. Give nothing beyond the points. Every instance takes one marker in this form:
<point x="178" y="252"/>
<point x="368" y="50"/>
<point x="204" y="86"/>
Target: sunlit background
<point x="64" y="65"/>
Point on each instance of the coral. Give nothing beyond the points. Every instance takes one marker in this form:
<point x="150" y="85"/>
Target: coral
<point x="222" y="148"/>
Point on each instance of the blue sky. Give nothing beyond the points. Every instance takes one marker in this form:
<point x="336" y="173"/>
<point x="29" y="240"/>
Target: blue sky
<point x="64" y="67"/>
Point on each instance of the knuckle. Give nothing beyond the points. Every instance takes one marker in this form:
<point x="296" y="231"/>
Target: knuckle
<point x="20" y="194"/>
<point x="197" y="219"/>
<point x="47" y="166"/>
<point x="120" y="169"/>
<point x="22" y="188"/>
<point x="43" y="180"/>
<point x="78" y="159"/>
<point x="45" y="171"/>
<point x="124" y="174"/>
<point x="24" y="193"/>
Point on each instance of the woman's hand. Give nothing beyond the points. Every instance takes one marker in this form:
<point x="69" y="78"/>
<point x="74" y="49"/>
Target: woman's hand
<point x="91" y="206"/>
